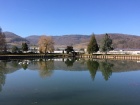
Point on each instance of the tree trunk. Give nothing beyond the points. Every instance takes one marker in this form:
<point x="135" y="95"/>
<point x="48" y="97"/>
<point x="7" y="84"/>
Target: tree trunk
<point x="45" y="50"/>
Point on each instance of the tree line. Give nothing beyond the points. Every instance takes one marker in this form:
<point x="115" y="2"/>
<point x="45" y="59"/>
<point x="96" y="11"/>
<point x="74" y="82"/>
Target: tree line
<point x="46" y="44"/>
<point x="106" y="45"/>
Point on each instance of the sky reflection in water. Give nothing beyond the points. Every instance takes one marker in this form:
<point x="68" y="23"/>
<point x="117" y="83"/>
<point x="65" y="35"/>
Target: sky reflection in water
<point x="69" y="82"/>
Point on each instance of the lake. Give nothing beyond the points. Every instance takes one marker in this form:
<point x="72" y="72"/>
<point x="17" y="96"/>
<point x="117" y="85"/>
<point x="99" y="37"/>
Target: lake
<point x="69" y="82"/>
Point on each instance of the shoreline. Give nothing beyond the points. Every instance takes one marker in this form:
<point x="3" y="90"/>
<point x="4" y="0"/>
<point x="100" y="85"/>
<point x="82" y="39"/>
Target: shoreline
<point x="93" y="56"/>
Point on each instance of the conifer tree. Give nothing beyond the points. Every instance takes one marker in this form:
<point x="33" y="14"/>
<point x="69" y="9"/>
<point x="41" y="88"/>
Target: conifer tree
<point x="106" y="44"/>
<point x="92" y="46"/>
<point x="24" y="47"/>
<point x="15" y="49"/>
<point x="2" y="41"/>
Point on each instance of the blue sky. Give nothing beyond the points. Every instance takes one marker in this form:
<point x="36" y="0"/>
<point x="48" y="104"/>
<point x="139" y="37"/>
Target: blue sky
<point x="60" y="17"/>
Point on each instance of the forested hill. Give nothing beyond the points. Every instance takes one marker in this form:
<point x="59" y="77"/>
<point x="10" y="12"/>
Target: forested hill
<point x="120" y="41"/>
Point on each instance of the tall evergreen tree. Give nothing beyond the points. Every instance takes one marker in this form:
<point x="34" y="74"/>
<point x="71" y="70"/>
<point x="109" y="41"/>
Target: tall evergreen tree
<point x="24" y="47"/>
<point x="106" y="44"/>
<point x="15" y="49"/>
<point x="92" y="46"/>
<point x="2" y="41"/>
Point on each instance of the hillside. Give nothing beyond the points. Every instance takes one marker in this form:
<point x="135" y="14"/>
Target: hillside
<point x="124" y="41"/>
<point x="120" y="41"/>
<point x="62" y="40"/>
<point x="33" y="39"/>
<point x="13" y="39"/>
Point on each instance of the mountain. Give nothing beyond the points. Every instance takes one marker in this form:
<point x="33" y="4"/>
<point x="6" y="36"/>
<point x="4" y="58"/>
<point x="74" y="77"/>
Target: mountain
<point x="124" y="41"/>
<point x="120" y="41"/>
<point x="33" y="39"/>
<point x="13" y="39"/>
<point x="63" y="41"/>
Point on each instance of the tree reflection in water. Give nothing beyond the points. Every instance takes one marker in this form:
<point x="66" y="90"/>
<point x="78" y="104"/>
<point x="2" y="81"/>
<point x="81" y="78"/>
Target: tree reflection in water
<point x="25" y="66"/>
<point x="69" y="62"/>
<point x="104" y="66"/>
<point x="2" y="74"/>
<point x="46" y="67"/>
<point x="92" y="67"/>
<point x="106" y="69"/>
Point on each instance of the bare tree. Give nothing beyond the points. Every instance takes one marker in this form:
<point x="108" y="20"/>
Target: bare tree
<point x="46" y="44"/>
<point x="2" y="41"/>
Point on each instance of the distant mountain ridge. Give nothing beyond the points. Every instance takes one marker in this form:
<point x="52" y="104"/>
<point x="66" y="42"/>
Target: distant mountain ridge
<point x="120" y="41"/>
<point x="13" y="39"/>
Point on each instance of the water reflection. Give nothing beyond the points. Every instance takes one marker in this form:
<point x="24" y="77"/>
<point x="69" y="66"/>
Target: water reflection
<point x="47" y="67"/>
<point x="69" y="80"/>
<point x="2" y="74"/>
<point x="69" y="62"/>
<point x="106" y="69"/>
<point x="7" y="67"/>
<point x="92" y="67"/>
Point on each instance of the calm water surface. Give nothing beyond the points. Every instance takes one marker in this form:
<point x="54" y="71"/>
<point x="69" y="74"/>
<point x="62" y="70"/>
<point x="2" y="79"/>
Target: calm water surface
<point x="69" y="82"/>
